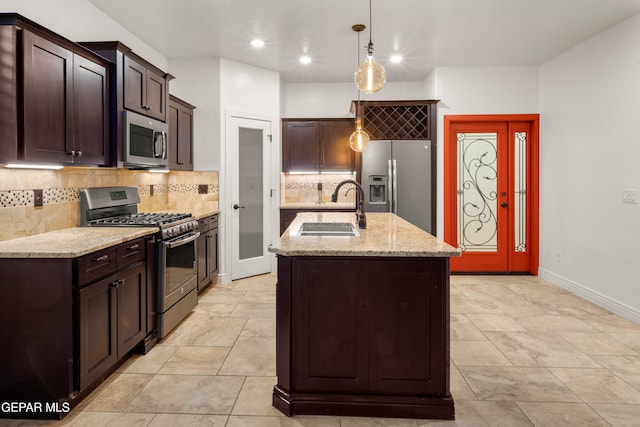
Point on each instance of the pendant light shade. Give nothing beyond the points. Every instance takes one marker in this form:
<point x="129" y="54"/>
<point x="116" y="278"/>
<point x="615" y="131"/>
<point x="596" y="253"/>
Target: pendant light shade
<point x="370" y="76"/>
<point x="359" y="139"/>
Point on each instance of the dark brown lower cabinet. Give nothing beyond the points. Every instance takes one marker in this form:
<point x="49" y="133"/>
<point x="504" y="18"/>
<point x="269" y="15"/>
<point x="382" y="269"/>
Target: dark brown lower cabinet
<point x="98" y="326"/>
<point x="364" y="336"/>
<point x="207" y="251"/>
<point x="112" y="316"/>
<point x="67" y="323"/>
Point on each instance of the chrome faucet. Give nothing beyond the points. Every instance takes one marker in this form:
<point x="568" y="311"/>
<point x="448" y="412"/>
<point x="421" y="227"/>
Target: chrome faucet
<point x="362" y="219"/>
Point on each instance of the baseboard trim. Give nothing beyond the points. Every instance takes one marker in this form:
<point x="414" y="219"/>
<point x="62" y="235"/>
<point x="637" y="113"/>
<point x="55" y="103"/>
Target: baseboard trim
<point x="603" y="301"/>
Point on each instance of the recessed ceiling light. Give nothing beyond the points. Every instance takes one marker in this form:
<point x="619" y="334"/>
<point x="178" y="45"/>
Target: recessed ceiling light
<point x="396" y="58"/>
<point x="257" y="43"/>
<point x="305" y="59"/>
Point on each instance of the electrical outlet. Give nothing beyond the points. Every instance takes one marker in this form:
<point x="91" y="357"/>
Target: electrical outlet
<point x="151" y="191"/>
<point x="38" y="198"/>
<point x="203" y="189"/>
<point x="630" y="195"/>
<point x="558" y="256"/>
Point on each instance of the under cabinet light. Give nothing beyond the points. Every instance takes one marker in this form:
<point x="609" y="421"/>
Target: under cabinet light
<point x="158" y="170"/>
<point x="336" y="173"/>
<point x="32" y="166"/>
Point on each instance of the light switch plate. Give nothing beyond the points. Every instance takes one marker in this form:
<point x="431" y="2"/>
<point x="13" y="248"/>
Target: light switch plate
<point x="38" y="198"/>
<point x="630" y="195"/>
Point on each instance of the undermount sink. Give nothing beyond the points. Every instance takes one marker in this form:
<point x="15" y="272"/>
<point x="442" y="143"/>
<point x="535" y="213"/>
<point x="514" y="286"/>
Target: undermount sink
<point x="328" y="229"/>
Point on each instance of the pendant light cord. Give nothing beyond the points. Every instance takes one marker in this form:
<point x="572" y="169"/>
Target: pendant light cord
<point x="357" y="88"/>
<point x="370" y="26"/>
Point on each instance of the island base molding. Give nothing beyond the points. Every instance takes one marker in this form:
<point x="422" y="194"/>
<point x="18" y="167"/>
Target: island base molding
<point x="418" y="407"/>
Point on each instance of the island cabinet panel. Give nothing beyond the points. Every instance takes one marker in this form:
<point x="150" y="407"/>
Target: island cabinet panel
<point x="331" y="349"/>
<point x="363" y="336"/>
<point x="399" y="294"/>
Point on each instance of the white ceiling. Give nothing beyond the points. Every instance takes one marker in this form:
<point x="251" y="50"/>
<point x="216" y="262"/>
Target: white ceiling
<point x="428" y="33"/>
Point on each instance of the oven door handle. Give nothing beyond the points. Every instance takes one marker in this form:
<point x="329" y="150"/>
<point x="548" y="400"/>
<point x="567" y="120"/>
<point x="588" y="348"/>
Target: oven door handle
<point x="183" y="240"/>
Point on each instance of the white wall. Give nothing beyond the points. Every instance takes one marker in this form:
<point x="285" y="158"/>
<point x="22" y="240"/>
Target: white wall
<point x="589" y="154"/>
<point x="198" y="82"/>
<point x="79" y="20"/>
<point x="332" y="100"/>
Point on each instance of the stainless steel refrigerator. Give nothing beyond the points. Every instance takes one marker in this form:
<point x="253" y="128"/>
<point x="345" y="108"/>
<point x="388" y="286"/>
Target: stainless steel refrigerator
<point x="396" y="177"/>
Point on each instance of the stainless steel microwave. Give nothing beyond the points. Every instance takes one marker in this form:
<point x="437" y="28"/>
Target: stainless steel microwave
<point x="145" y="141"/>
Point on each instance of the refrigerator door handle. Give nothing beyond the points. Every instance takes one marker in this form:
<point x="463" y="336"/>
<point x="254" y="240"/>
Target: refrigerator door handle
<point x="395" y="187"/>
<point x="391" y="190"/>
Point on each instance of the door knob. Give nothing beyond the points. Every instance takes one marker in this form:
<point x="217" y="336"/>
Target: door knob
<point x="237" y="206"/>
<point x="504" y="204"/>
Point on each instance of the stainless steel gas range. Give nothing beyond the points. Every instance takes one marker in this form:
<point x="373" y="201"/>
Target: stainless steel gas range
<point x="176" y="247"/>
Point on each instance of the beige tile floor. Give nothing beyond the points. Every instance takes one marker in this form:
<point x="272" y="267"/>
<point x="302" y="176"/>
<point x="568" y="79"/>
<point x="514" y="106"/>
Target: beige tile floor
<point x="523" y="353"/>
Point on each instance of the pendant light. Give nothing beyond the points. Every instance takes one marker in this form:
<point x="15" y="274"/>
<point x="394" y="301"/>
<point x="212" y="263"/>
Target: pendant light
<point x="359" y="139"/>
<point x="370" y="76"/>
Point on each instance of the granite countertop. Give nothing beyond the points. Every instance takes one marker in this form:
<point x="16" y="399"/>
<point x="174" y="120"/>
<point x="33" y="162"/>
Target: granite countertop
<point x="70" y="242"/>
<point x="386" y="235"/>
<point x="77" y="241"/>
<point x="197" y="214"/>
<point x="319" y="206"/>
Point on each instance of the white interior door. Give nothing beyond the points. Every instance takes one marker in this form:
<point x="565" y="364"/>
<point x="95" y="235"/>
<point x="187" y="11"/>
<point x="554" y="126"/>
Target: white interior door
<point x="250" y="198"/>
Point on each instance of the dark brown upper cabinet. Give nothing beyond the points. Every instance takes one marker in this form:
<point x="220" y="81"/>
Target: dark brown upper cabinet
<point x="315" y="145"/>
<point x="145" y="90"/>
<point x="135" y="85"/>
<point x="180" y="116"/>
<point x="55" y="108"/>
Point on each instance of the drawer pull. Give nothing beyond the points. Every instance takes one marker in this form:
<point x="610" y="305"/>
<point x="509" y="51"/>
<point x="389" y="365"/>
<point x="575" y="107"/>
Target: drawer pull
<point x="101" y="258"/>
<point x="134" y="247"/>
<point x="117" y="283"/>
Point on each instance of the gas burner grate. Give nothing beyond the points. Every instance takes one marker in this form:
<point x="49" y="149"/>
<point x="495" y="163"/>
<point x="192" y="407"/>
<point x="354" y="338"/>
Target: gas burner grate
<point x="142" y="219"/>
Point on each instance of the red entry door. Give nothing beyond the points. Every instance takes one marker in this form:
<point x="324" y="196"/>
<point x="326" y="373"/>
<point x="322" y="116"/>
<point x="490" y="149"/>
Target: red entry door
<point x="491" y="186"/>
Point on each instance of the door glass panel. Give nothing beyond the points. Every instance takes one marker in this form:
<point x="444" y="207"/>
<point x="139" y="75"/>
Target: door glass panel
<point x="520" y="185"/>
<point x="250" y="193"/>
<point x="477" y="192"/>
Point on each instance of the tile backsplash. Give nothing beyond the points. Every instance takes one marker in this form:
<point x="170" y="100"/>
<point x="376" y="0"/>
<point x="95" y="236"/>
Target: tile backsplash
<point x="175" y="191"/>
<point x="303" y="188"/>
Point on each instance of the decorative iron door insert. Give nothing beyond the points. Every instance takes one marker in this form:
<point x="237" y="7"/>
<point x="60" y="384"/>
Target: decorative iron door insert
<point x="490" y="167"/>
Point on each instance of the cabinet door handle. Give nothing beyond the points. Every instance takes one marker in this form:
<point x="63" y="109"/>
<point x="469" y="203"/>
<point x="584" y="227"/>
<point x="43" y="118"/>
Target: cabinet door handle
<point x="117" y="283"/>
<point x="101" y="258"/>
<point x="134" y="247"/>
<point x="79" y="153"/>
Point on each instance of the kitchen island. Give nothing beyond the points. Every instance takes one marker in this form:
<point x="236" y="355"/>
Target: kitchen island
<point x="362" y="322"/>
